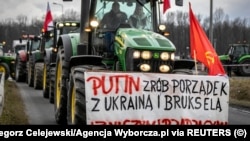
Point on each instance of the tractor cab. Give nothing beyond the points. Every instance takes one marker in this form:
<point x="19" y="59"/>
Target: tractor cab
<point x="128" y="34"/>
<point x="33" y="44"/>
<point x="238" y="58"/>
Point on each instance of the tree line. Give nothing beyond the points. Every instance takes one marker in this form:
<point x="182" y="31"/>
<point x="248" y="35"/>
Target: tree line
<point x="225" y="30"/>
<point x="13" y="29"/>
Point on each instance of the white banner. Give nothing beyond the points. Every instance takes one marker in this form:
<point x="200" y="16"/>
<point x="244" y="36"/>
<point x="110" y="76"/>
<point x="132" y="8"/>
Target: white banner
<point x="156" y="99"/>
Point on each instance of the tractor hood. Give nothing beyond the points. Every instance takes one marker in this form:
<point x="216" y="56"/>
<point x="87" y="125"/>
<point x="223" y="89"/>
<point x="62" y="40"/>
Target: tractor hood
<point x="138" y="38"/>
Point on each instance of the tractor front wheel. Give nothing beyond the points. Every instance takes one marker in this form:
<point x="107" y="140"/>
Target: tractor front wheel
<point x="76" y="110"/>
<point x="4" y="68"/>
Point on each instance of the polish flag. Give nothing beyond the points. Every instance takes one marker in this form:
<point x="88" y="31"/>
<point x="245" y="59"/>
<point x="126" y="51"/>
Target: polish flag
<point x="166" y="5"/>
<point x="48" y="23"/>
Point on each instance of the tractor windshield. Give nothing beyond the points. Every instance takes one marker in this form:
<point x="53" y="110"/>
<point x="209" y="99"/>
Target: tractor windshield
<point x="49" y="43"/>
<point x="35" y="45"/>
<point x="19" y="47"/>
<point x="112" y="14"/>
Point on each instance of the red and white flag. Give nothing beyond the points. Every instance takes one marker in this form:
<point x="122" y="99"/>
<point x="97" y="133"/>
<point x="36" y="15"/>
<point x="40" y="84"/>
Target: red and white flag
<point x="48" y="22"/>
<point x="166" y="5"/>
<point x="201" y="49"/>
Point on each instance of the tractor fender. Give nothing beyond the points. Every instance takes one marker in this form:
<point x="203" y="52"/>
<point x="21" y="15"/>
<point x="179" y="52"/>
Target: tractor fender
<point x="243" y="58"/>
<point x="86" y="60"/>
<point x="65" y="42"/>
<point x="23" y="55"/>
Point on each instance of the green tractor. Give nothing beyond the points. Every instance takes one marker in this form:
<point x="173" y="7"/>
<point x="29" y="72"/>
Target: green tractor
<point x="101" y="49"/>
<point x="237" y="59"/>
<point x="48" y="49"/>
<point x="7" y="63"/>
<point x="35" y="63"/>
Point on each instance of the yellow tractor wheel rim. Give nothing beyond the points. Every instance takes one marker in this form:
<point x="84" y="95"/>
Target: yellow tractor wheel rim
<point x="44" y="77"/>
<point x="2" y="69"/>
<point x="73" y="104"/>
<point x="58" y="83"/>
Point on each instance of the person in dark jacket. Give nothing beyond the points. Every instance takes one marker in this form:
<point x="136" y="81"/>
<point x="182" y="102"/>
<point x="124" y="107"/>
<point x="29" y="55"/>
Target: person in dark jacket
<point x="114" y="18"/>
<point x="111" y="21"/>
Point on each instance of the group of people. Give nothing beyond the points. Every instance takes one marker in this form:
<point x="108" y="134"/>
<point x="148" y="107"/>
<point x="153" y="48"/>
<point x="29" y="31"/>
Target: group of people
<point x="115" y="17"/>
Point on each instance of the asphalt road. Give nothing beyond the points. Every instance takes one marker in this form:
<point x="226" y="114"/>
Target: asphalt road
<point x="239" y="116"/>
<point x="39" y="110"/>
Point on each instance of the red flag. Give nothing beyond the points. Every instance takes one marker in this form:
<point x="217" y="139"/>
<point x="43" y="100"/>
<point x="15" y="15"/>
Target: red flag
<point x="166" y="5"/>
<point x="48" y="20"/>
<point x="201" y="49"/>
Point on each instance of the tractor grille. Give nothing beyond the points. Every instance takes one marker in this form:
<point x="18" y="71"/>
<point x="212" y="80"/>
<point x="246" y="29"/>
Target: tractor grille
<point x="133" y="64"/>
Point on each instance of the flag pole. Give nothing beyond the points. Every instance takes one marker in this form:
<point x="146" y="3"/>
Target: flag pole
<point x="196" y="72"/>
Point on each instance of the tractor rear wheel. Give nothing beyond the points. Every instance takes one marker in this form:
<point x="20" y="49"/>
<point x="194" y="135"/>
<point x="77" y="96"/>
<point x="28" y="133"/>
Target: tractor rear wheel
<point x="245" y="69"/>
<point x="60" y="95"/>
<point x="52" y="85"/>
<point x="30" y="72"/>
<point x="38" y="72"/>
<point x="46" y="80"/>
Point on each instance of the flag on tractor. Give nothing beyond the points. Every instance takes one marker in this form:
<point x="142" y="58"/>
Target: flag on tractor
<point x="201" y="48"/>
<point x="48" y="22"/>
<point x="166" y="5"/>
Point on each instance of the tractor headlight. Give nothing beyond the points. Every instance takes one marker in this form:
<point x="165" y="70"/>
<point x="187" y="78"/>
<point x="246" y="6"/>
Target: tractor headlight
<point x="145" y="67"/>
<point x="146" y="55"/>
<point x="172" y="56"/>
<point x="164" y="68"/>
<point x="54" y="49"/>
<point x="73" y="24"/>
<point x="165" y="56"/>
<point x="60" y="25"/>
<point x="162" y="27"/>
<point x="94" y="23"/>
<point x="136" y="54"/>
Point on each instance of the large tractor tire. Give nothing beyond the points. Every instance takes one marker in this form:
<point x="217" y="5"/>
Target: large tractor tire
<point x="20" y="70"/>
<point x="30" y="67"/>
<point x="76" y="97"/>
<point x="46" y="79"/>
<point x="245" y="69"/>
<point x="52" y="84"/>
<point x="4" y="68"/>
<point x="38" y="76"/>
<point x="60" y="95"/>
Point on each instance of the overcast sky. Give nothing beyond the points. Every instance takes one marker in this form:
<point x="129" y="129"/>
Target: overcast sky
<point x="37" y="8"/>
